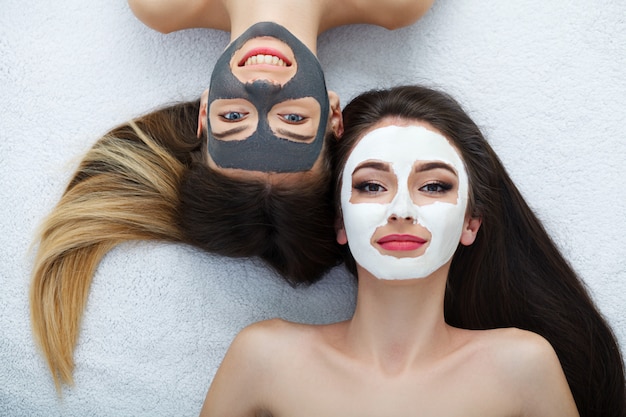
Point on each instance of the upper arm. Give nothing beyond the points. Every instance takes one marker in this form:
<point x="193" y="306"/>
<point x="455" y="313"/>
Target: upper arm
<point x="540" y="379"/>
<point x="237" y="389"/>
<point x="171" y="15"/>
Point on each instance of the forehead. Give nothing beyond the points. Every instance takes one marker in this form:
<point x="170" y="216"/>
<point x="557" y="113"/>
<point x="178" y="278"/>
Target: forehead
<point x="403" y="145"/>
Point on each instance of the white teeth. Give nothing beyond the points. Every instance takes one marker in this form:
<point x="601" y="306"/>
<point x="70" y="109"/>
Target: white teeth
<point x="265" y="59"/>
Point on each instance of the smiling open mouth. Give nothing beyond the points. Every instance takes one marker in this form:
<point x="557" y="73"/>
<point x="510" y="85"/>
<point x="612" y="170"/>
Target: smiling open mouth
<point x="265" y="56"/>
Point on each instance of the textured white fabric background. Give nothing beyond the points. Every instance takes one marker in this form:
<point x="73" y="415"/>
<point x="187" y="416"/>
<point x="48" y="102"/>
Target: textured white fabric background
<point x="544" y="79"/>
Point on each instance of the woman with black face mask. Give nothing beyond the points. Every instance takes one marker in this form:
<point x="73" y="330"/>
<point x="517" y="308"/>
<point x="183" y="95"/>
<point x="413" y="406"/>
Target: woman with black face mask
<point x="241" y="172"/>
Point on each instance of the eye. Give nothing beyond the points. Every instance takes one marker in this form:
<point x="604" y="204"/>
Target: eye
<point x="368" y="187"/>
<point x="293" y="118"/>
<point x="436" y="187"/>
<point x="233" y="116"/>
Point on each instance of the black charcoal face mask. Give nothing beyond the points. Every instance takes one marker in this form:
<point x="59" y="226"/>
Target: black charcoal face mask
<point x="263" y="150"/>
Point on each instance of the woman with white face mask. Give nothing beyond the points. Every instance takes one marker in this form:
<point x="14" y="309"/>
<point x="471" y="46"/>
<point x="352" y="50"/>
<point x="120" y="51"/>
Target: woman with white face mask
<point x="465" y="306"/>
<point x="243" y="171"/>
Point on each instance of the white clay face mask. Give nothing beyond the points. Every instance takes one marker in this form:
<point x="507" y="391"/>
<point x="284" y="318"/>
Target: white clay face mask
<point x="403" y="147"/>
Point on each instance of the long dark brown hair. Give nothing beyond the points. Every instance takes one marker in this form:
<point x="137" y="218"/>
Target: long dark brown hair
<point x="513" y="275"/>
<point x="147" y="179"/>
<point x="291" y="228"/>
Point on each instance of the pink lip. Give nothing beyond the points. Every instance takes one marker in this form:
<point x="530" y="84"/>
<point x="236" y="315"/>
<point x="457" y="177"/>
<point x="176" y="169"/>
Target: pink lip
<point x="401" y="242"/>
<point x="263" y="51"/>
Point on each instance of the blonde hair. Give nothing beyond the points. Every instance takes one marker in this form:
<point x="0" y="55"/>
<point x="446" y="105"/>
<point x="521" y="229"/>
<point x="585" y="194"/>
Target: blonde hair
<point x="123" y="190"/>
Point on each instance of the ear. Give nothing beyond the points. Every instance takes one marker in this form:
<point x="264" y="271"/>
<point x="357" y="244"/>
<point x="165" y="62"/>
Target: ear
<point x="470" y="229"/>
<point x="336" y="119"/>
<point x="342" y="238"/>
<point x="204" y="102"/>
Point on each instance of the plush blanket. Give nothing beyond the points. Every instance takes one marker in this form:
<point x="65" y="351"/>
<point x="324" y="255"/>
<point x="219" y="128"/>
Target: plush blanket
<point x="545" y="80"/>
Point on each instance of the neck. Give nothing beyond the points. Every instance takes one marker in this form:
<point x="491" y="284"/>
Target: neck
<point x="398" y="324"/>
<point x="302" y="19"/>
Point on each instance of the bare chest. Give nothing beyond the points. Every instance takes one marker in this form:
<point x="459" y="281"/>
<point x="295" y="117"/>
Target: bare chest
<point x="464" y="392"/>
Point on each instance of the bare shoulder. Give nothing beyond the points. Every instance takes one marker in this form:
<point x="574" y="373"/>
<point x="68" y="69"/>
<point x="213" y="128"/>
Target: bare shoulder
<point x="272" y="332"/>
<point x="390" y="14"/>
<point x="256" y="345"/>
<point x="527" y="363"/>
<point x="517" y="353"/>
<point x="258" y="353"/>
<point x="518" y="342"/>
<point x="171" y="15"/>
<point x="272" y="341"/>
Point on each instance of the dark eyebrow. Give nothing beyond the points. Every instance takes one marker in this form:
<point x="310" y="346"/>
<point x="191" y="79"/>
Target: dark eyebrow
<point x="380" y="166"/>
<point x="294" y="136"/>
<point x="229" y="132"/>
<point x="428" y="166"/>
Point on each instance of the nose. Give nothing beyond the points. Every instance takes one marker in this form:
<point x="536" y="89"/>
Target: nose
<point x="402" y="208"/>
<point x="394" y="218"/>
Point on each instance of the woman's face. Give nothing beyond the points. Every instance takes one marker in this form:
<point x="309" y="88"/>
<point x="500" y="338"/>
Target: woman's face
<point x="268" y="107"/>
<point x="404" y="198"/>
<point x="270" y="60"/>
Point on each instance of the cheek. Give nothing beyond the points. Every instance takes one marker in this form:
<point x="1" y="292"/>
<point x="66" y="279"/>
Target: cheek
<point x="361" y="220"/>
<point x="444" y="221"/>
